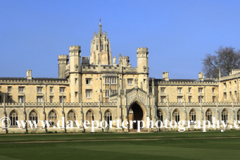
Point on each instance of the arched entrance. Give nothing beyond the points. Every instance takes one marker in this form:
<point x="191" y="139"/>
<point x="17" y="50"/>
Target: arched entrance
<point x="135" y="113"/>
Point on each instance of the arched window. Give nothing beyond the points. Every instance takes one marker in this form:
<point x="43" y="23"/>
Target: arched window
<point x="225" y="115"/>
<point x="176" y="116"/>
<point x="160" y="115"/>
<point x="90" y="116"/>
<point x="192" y="115"/>
<point x="71" y="117"/>
<point x="13" y="118"/>
<point x="33" y="117"/>
<point x="108" y="116"/>
<point x="238" y="115"/>
<point x="52" y="118"/>
<point x="209" y="115"/>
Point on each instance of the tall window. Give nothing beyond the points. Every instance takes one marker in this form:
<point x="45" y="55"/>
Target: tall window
<point x="112" y="80"/>
<point x="39" y="99"/>
<point x="20" y="99"/>
<point x="39" y="89"/>
<point x="200" y="99"/>
<point x="71" y="117"/>
<point x="52" y="118"/>
<point x="130" y="81"/>
<point x="179" y="90"/>
<point x="88" y="93"/>
<point x="179" y="99"/>
<point x="163" y="98"/>
<point x="106" y="93"/>
<point x="200" y="90"/>
<point x="192" y="115"/>
<point x="62" y="89"/>
<point x="76" y="80"/>
<point x="51" y="89"/>
<point x="225" y="115"/>
<point x="108" y="116"/>
<point x="88" y="80"/>
<point x="90" y="116"/>
<point x="160" y="115"/>
<point x="162" y="90"/>
<point x="21" y="89"/>
<point x="189" y="98"/>
<point x="213" y="90"/>
<point x="62" y="99"/>
<point x="9" y="99"/>
<point x="225" y="85"/>
<point x="189" y="90"/>
<point x="13" y="118"/>
<point x="176" y="116"/>
<point x="33" y="117"/>
<point x="9" y="89"/>
<point x="96" y="47"/>
<point x="209" y="115"/>
<point x="214" y="99"/>
<point x="51" y="99"/>
<point x="238" y="115"/>
<point x="101" y="47"/>
<point x="225" y="96"/>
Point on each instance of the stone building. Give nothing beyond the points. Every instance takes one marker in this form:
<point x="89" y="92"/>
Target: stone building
<point x="97" y="88"/>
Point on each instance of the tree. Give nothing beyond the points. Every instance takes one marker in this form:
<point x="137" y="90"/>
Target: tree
<point x="225" y="58"/>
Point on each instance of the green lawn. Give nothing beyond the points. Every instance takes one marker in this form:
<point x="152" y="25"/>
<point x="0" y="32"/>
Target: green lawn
<point x="171" y="145"/>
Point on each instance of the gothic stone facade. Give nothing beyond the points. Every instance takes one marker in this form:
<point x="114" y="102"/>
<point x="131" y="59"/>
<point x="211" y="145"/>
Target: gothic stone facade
<point x="97" y="88"/>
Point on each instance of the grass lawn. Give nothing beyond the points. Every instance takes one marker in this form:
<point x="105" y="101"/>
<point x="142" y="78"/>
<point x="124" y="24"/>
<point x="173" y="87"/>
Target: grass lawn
<point x="124" y="146"/>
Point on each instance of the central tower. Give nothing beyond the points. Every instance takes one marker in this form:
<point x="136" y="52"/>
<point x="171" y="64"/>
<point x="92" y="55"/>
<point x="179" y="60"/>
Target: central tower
<point x="100" y="48"/>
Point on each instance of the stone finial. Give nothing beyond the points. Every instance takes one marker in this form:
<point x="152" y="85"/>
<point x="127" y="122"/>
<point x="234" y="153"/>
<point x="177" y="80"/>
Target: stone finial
<point x="29" y="74"/>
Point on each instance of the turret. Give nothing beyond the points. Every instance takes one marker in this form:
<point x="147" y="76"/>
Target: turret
<point x="75" y="73"/>
<point x="62" y="63"/>
<point x="142" y="68"/>
<point x="75" y="58"/>
<point x="142" y="60"/>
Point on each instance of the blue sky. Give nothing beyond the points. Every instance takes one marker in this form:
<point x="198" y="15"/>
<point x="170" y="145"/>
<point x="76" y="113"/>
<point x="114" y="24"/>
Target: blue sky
<point x="177" y="33"/>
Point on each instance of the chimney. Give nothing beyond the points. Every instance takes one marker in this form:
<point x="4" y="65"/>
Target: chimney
<point x="165" y="76"/>
<point x="29" y="74"/>
<point x="201" y="76"/>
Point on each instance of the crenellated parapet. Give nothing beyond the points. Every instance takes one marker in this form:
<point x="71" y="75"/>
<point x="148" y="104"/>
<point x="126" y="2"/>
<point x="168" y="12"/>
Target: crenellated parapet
<point x="24" y="81"/>
<point x="185" y="82"/>
<point x="142" y="49"/>
<point x="75" y="48"/>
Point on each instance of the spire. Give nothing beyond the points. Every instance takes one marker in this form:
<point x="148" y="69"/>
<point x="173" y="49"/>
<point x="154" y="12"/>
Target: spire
<point x="219" y="74"/>
<point x="100" y="27"/>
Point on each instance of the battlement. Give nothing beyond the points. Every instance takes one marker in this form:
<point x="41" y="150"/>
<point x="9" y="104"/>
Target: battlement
<point x="74" y="48"/>
<point x="142" y="49"/>
<point x="62" y="56"/>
